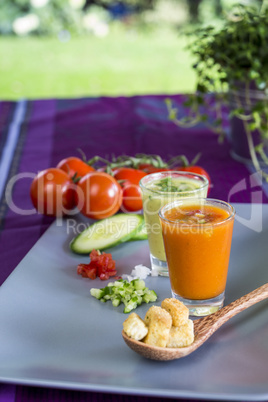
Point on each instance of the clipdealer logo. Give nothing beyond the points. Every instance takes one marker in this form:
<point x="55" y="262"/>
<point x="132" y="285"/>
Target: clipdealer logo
<point x="253" y="186"/>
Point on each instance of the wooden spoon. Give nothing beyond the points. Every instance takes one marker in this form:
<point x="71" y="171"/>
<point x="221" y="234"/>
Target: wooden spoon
<point x="203" y="328"/>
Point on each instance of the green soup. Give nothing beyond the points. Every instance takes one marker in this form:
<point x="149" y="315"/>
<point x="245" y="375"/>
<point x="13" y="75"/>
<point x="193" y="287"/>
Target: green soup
<point x="160" y="192"/>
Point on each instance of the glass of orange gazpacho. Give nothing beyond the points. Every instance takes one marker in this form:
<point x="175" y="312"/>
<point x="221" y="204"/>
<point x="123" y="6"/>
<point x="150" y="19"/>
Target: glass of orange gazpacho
<point x="159" y="189"/>
<point x="197" y="236"/>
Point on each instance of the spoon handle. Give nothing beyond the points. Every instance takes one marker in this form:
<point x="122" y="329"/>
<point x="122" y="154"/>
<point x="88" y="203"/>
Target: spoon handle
<point x="214" y="321"/>
<point x="244" y="302"/>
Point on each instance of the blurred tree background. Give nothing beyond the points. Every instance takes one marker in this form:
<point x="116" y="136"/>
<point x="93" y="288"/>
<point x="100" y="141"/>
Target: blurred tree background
<point x="71" y="48"/>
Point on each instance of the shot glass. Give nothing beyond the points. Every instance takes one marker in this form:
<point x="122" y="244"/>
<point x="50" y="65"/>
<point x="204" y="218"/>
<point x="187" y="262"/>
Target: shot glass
<point x="159" y="189"/>
<point x="197" y="237"/>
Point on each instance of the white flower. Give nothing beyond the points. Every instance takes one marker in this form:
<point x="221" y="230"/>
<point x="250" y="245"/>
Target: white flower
<point x="39" y="3"/>
<point x="26" y="24"/>
<point x="77" y="3"/>
<point x="92" y="23"/>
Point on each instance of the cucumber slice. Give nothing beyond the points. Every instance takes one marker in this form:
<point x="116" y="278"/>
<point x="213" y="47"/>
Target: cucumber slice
<point x="107" y="233"/>
<point x="141" y="234"/>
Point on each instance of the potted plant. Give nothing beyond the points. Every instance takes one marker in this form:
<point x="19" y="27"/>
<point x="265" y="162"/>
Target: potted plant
<point x="232" y="64"/>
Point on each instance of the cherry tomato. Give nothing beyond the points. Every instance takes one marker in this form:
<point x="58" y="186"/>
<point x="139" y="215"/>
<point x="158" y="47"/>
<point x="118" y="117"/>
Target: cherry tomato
<point x="53" y="192"/>
<point x="129" y="174"/>
<point x="132" y="196"/>
<point x="74" y="166"/>
<point x="194" y="169"/>
<point x="98" y="195"/>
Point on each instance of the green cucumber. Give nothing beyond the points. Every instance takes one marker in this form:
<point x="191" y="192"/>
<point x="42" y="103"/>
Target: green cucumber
<point x="107" y="233"/>
<point x="131" y="294"/>
<point x="141" y="234"/>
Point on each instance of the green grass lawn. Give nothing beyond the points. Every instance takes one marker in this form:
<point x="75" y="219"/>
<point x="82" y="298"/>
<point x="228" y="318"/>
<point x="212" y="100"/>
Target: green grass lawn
<point x="122" y="63"/>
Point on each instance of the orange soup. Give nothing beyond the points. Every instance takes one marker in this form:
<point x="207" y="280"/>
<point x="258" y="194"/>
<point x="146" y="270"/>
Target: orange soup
<point x="197" y="241"/>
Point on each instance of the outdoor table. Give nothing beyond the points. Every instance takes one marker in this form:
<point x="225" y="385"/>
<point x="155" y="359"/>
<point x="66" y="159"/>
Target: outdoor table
<point x="37" y="134"/>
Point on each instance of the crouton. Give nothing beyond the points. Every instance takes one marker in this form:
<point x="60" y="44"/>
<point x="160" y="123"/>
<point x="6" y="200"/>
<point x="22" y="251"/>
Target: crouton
<point x="159" y="322"/>
<point x="134" y="327"/>
<point x="178" y="311"/>
<point x="181" y="336"/>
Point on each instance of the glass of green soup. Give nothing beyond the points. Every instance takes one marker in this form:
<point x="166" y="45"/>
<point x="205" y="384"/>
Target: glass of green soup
<point x="159" y="189"/>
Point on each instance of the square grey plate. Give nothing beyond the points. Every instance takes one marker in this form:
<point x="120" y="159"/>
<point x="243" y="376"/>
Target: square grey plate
<point x="54" y="334"/>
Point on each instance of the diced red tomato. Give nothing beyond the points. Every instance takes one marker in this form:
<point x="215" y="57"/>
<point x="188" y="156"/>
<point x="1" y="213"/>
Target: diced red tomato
<point x="101" y="265"/>
<point x="86" y="271"/>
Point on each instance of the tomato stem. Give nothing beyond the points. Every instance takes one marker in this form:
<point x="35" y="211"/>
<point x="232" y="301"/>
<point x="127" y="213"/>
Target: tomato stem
<point x="138" y="160"/>
<point x="84" y="159"/>
<point x="75" y="178"/>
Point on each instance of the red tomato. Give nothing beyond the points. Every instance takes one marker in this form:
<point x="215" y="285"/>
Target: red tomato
<point x="132" y="196"/>
<point x="129" y="174"/>
<point x="53" y="192"/>
<point x="194" y="169"/>
<point x="98" y="195"/>
<point x="74" y="166"/>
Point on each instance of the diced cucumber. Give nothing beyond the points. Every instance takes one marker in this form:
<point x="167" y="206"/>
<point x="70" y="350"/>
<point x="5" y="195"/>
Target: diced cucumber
<point x="139" y="300"/>
<point x="132" y="294"/>
<point x="108" y="290"/>
<point x="98" y="293"/>
<point x="116" y="301"/>
<point x="131" y="305"/>
<point x="107" y="233"/>
<point x="139" y="292"/>
<point x="138" y="284"/>
<point x="151" y="296"/>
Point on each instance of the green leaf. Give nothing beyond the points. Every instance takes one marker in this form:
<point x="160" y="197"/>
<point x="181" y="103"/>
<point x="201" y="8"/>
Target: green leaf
<point x="201" y="88"/>
<point x="236" y="112"/>
<point x="257" y="119"/>
<point x="200" y="100"/>
<point x="189" y="102"/>
<point x="252" y="126"/>
<point x="204" y="118"/>
<point x="253" y="74"/>
<point x="218" y="122"/>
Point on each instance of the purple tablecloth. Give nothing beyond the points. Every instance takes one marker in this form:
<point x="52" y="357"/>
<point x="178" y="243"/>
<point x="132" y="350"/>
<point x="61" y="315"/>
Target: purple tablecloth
<point x="37" y="134"/>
